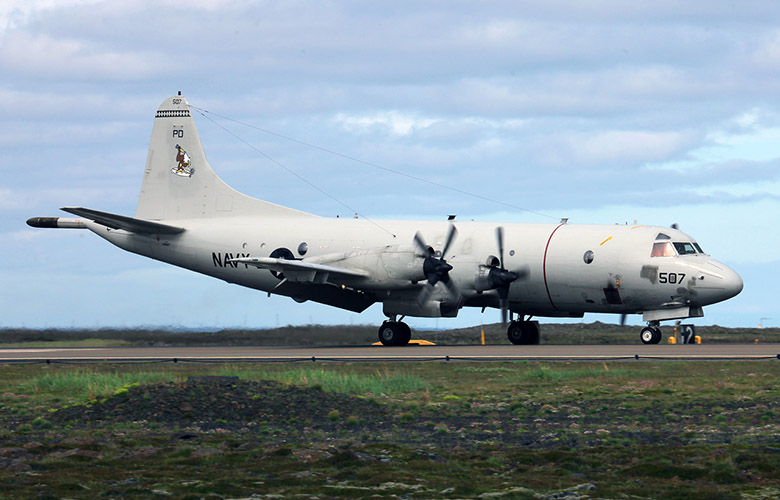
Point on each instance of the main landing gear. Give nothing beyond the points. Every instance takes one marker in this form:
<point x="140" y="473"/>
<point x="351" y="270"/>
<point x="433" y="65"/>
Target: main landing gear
<point x="394" y="333"/>
<point x="523" y="332"/>
<point x="651" y="334"/>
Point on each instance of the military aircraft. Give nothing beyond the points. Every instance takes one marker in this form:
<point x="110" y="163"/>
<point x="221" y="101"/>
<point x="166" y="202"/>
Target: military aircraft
<point x="188" y="217"/>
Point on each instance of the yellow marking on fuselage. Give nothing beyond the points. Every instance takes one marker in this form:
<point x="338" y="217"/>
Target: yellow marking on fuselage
<point x="602" y="243"/>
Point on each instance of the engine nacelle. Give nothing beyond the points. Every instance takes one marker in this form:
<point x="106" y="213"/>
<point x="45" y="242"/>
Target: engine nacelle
<point x="471" y="273"/>
<point x="394" y="267"/>
<point x="402" y="263"/>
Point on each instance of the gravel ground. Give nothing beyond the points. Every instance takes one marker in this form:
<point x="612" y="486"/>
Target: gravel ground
<point x="208" y="403"/>
<point x="223" y="402"/>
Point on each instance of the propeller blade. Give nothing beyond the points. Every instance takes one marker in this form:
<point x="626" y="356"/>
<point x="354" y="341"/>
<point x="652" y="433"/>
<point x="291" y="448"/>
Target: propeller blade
<point x="425" y="294"/>
<point x="500" y="241"/>
<point x="503" y="295"/>
<point x="424" y="249"/>
<point x="523" y="273"/>
<point x="451" y="234"/>
<point x="623" y="319"/>
<point x="453" y="290"/>
<point x="502" y="279"/>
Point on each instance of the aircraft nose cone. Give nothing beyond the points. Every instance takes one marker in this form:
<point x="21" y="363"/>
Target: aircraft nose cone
<point x="732" y="283"/>
<point x="727" y="282"/>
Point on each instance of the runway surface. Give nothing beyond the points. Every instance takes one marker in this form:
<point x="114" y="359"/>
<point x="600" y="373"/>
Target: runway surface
<point x="407" y="353"/>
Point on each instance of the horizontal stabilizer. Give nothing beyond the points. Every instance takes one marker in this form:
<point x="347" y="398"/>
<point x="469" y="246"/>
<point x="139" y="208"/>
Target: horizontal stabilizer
<point x="298" y="270"/>
<point x="131" y="224"/>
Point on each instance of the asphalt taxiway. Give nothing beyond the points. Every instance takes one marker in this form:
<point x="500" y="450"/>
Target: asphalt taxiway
<point x="381" y="353"/>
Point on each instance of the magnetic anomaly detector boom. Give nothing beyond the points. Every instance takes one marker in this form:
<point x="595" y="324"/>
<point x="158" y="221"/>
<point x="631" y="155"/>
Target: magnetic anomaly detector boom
<point x="188" y="217"/>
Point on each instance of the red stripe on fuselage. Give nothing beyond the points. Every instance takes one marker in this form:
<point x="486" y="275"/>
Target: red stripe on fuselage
<point x="544" y="265"/>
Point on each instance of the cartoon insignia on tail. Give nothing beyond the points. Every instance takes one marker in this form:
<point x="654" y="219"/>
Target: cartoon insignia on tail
<point x="183" y="163"/>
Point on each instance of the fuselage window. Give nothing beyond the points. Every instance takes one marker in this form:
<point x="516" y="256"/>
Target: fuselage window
<point x="685" y="248"/>
<point x="662" y="249"/>
<point x="662" y="236"/>
<point x="588" y="257"/>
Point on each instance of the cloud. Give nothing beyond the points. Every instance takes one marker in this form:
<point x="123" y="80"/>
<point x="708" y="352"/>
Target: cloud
<point x="82" y="104"/>
<point x="39" y="55"/>
<point x="392" y="121"/>
<point x="559" y="107"/>
<point x="18" y="13"/>
<point x="9" y="199"/>
<point x="630" y="147"/>
<point x="765" y="56"/>
<point x="25" y="235"/>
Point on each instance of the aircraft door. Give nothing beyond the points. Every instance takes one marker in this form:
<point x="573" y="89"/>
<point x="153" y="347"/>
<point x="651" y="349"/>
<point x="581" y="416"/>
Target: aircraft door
<point x="583" y="271"/>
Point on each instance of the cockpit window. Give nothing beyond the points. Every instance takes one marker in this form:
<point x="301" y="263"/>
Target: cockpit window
<point x="662" y="236"/>
<point x="665" y="248"/>
<point x="662" y="249"/>
<point x="684" y="248"/>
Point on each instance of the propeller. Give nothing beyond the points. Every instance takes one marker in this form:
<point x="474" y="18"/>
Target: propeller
<point x="500" y="278"/>
<point x="435" y="268"/>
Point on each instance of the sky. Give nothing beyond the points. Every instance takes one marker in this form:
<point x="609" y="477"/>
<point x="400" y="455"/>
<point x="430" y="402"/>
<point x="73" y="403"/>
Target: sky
<point x="658" y="112"/>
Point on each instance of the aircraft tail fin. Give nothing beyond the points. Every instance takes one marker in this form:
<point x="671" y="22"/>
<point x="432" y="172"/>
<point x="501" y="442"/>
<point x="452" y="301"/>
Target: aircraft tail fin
<point x="178" y="182"/>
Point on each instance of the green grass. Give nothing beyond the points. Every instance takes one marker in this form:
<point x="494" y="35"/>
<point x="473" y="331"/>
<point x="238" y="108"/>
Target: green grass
<point x="548" y="372"/>
<point x="81" y="384"/>
<point x="381" y="381"/>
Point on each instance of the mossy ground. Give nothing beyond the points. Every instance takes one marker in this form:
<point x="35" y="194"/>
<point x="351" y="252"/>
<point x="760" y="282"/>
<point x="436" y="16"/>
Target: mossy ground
<point x="417" y="430"/>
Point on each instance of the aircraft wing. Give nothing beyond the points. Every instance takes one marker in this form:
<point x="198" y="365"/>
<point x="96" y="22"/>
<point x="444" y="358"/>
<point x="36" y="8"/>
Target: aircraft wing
<point x="131" y="224"/>
<point x="301" y="271"/>
<point x="312" y="281"/>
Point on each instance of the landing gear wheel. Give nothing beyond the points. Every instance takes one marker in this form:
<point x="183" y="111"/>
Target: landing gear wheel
<point x="515" y="332"/>
<point x="406" y="333"/>
<point x="394" y="333"/>
<point x="533" y="332"/>
<point x="651" y="335"/>
<point x="523" y="332"/>
<point x="389" y="333"/>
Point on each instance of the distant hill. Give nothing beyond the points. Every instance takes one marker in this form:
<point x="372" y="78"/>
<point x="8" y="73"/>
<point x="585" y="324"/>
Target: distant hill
<point x="552" y="333"/>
